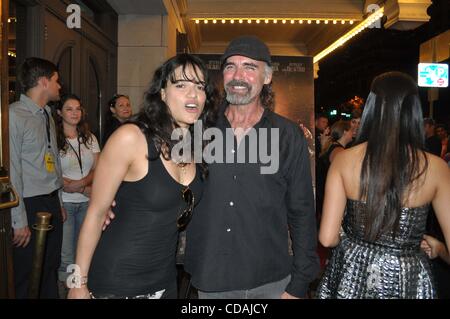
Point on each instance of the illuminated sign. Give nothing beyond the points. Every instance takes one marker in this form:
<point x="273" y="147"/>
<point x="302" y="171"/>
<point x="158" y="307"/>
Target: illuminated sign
<point x="433" y="75"/>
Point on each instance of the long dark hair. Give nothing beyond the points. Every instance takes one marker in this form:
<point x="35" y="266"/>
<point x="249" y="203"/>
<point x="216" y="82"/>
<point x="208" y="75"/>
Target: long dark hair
<point x="267" y="96"/>
<point x="392" y="126"/>
<point x="155" y="119"/>
<point x="84" y="135"/>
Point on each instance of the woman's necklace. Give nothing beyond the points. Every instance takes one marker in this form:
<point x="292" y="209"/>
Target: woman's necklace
<point x="182" y="167"/>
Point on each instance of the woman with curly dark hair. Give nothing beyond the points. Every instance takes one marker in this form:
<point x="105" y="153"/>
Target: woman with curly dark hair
<point x="155" y="192"/>
<point x="78" y="151"/>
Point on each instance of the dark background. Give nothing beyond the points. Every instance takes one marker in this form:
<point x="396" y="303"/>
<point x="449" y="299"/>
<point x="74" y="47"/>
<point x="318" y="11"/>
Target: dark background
<point x="348" y="71"/>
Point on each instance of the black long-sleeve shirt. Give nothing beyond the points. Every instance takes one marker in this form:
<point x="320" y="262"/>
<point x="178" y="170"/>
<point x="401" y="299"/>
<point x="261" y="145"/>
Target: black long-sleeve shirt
<point x="238" y="235"/>
<point x="433" y="145"/>
<point x="111" y="125"/>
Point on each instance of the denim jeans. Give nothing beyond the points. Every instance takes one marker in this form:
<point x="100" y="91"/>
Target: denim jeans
<point x="71" y="229"/>
<point x="272" y="290"/>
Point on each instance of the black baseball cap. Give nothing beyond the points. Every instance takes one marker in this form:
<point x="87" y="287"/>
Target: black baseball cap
<point x="249" y="46"/>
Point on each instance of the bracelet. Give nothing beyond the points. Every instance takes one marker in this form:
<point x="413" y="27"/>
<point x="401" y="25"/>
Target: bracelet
<point x="83" y="280"/>
<point x="77" y="281"/>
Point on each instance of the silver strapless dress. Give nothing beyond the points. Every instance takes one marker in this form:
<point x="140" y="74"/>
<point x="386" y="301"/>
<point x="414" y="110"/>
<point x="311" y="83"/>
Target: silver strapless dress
<point x="385" y="268"/>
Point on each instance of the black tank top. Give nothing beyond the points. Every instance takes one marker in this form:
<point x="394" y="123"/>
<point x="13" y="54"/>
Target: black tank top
<point x="136" y="253"/>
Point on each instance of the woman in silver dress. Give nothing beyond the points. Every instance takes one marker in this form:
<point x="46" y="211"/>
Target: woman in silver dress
<point x="377" y="197"/>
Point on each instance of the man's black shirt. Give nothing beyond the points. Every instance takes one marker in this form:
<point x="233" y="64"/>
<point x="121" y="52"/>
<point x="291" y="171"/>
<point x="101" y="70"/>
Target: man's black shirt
<point x="238" y="236"/>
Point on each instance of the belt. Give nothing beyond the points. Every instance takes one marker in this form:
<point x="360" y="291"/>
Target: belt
<point x="155" y="295"/>
<point x="52" y="194"/>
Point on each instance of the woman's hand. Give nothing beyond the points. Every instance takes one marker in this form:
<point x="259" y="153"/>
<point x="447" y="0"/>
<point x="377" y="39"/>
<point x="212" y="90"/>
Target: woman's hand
<point x="79" y="293"/>
<point x="432" y="247"/>
<point x="87" y="191"/>
<point x="73" y="186"/>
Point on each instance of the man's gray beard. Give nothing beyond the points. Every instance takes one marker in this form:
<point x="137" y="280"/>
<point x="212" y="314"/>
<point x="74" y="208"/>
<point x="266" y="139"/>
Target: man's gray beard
<point x="236" y="99"/>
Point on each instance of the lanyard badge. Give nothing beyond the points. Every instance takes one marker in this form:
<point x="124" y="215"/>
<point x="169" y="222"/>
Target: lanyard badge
<point x="49" y="159"/>
<point x="49" y="162"/>
<point x="78" y="155"/>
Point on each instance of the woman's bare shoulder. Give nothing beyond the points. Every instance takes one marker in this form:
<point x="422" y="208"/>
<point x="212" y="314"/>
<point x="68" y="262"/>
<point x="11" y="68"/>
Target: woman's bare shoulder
<point x="127" y="138"/>
<point x="437" y="167"/>
<point x="127" y="133"/>
<point x="129" y="130"/>
<point x="350" y="156"/>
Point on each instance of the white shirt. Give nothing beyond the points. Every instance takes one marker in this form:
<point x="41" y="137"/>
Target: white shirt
<point x="71" y="167"/>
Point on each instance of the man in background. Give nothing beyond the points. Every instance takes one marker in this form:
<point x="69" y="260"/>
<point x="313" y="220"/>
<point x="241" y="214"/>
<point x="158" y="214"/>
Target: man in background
<point x="35" y="174"/>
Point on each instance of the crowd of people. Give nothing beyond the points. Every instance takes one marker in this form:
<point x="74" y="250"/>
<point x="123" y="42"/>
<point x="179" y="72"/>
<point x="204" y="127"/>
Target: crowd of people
<point x="117" y="213"/>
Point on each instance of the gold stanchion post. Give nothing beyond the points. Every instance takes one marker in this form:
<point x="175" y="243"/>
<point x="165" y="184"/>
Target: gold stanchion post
<point x="41" y="227"/>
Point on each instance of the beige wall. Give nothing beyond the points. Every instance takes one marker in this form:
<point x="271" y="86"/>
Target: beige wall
<point x="145" y="41"/>
<point x="170" y="38"/>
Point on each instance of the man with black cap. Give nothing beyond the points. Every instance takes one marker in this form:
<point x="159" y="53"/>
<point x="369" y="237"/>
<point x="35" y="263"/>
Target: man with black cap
<point x="237" y="241"/>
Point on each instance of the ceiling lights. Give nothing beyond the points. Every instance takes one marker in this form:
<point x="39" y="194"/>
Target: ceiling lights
<point x="263" y="20"/>
<point x="369" y="21"/>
